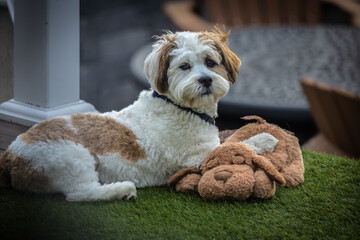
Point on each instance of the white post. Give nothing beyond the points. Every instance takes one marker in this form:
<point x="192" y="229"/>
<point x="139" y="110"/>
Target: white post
<point x="46" y="62"/>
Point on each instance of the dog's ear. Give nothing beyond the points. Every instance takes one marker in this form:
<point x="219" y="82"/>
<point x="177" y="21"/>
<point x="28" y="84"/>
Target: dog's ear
<point x="230" y="61"/>
<point x="157" y="62"/>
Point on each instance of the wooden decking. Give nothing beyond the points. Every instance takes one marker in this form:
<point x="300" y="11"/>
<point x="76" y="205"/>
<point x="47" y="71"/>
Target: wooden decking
<point x="8" y="132"/>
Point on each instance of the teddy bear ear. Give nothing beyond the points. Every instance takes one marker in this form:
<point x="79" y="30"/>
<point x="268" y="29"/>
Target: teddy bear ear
<point x="269" y="169"/>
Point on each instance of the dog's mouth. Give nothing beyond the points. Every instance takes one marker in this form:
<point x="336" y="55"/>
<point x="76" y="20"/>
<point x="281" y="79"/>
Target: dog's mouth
<point x="206" y="92"/>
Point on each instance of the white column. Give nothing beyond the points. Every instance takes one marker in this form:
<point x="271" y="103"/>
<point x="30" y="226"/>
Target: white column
<point x="46" y="62"/>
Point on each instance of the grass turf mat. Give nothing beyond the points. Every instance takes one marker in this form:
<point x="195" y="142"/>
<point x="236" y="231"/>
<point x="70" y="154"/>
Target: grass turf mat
<point x="325" y="206"/>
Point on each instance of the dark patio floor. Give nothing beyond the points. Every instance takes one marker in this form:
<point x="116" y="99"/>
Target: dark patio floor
<point x="110" y="33"/>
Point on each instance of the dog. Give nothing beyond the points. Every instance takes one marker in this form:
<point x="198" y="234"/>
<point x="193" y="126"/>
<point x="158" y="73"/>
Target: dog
<point x="93" y="156"/>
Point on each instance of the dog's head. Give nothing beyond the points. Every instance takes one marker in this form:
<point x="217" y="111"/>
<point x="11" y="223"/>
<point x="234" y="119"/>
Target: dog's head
<point x="192" y="69"/>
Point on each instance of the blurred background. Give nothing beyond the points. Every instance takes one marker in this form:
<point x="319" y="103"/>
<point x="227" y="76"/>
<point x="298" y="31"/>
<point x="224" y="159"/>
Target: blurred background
<point x="113" y="33"/>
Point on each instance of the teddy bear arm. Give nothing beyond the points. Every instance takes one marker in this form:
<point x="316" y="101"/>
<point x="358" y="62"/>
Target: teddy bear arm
<point x="294" y="174"/>
<point x="189" y="183"/>
<point x="264" y="187"/>
<point x="177" y="177"/>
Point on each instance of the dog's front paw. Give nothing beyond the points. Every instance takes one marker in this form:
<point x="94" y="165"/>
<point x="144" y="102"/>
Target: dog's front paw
<point x="127" y="190"/>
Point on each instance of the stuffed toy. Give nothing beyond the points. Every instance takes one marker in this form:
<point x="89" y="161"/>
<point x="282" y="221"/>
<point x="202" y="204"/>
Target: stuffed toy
<point x="249" y="162"/>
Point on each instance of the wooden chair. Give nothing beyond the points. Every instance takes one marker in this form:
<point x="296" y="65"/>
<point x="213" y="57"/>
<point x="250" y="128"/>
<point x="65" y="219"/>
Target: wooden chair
<point x="337" y="116"/>
<point x="184" y="14"/>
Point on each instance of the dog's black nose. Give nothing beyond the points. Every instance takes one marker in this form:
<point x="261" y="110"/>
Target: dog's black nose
<point x="206" y="81"/>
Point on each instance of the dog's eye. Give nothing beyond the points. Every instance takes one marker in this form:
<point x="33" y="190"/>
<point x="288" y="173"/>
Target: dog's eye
<point x="184" y="66"/>
<point x="210" y="63"/>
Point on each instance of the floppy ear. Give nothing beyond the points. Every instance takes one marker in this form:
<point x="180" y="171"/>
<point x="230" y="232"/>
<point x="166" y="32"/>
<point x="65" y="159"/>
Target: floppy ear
<point x="157" y="62"/>
<point x="269" y="169"/>
<point x="230" y="60"/>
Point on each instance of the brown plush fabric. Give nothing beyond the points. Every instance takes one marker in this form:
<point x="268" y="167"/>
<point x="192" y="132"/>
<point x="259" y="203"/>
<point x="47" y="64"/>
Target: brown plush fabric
<point x="263" y="187"/>
<point x="173" y="181"/>
<point x="238" y="153"/>
<point x="238" y="186"/>
<point x="287" y="157"/>
<point x="234" y="170"/>
<point x="227" y="154"/>
<point x="264" y="164"/>
<point x="189" y="183"/>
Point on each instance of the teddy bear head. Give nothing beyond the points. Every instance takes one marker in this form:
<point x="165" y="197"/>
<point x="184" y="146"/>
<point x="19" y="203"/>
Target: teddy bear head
<point x="249" y="162"/>
<point x="236" y="171"/>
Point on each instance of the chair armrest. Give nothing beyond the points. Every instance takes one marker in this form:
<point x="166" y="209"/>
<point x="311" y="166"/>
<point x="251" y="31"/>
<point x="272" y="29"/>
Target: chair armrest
<point x="183" y="16"/>
<point x="349" y="6"/>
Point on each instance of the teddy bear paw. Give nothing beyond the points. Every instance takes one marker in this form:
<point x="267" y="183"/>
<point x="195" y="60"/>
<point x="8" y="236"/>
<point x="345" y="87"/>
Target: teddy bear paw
<point x="264" y="187"/>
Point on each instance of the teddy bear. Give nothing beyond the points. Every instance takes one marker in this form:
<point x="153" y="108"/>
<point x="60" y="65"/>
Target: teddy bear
<point x="250" y="162"/>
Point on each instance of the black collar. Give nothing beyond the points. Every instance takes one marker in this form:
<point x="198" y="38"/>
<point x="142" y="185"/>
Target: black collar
<point x="203" y="116"/>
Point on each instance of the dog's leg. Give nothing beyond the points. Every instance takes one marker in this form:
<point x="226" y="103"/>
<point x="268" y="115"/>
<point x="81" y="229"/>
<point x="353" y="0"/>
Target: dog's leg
<point x="69" y="169"/>
<point x="83" y="184"/>
<point x="78" y="179"/>
<point x="95" y="191"/>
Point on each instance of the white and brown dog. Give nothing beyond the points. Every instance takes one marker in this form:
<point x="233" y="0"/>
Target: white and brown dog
<point x="90" y="157"/>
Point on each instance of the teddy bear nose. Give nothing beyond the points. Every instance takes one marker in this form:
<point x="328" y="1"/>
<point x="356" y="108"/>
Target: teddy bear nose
<point x="222" y="176"/>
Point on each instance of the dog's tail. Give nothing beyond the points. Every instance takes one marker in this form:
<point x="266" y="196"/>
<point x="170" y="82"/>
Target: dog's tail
<point x="5" y="162"/>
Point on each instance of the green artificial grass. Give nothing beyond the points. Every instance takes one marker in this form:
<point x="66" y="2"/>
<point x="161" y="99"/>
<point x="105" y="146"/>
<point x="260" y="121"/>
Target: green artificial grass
<point x="325" y="206"/>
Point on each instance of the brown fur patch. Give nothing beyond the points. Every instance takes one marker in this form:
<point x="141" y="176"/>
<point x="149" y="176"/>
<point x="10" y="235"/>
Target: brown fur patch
<point x="4" y="171"/>
<point x="21" y="176"/>
<point x="218" y="40"/>
<point x="49" y="130"/>
<point x="102" y="135"/>
<point x="221" y="70"/>
<point x="161" y="83"/>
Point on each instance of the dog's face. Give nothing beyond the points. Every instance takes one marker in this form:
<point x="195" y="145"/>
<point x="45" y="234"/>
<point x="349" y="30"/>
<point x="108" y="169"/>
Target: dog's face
<point x="192" y="69"/>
